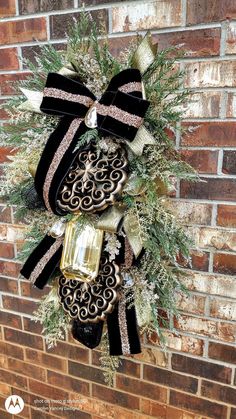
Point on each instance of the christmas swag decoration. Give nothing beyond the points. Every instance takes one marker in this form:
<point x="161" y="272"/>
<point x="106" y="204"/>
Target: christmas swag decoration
<point x="94" y="134"/>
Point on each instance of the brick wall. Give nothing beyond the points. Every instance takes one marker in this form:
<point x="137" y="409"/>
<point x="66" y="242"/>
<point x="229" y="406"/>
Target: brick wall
<point x="195" y="378"/>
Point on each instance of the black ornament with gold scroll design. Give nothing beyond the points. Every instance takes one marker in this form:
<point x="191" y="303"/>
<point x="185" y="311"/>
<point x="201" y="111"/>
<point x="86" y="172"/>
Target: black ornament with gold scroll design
<point x="94" y="180"/>
<point x="91" y="302"/>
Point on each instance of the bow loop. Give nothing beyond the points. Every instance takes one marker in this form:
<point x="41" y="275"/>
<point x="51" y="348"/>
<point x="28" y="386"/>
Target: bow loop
<point x="64" y="96"/>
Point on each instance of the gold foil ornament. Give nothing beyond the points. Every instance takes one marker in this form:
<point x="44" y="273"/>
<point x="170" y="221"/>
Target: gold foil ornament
<point x="94" y="180"/>
<point x="81" y="251"/>
<point x="91" y="302"/>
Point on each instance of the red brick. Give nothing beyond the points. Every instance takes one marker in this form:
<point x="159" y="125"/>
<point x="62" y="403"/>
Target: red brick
<point x="86" y="372"/>
<point x="5" y="152"/>
<point x="191" y="213"/>
<point x="225" y="263"/>
<point x="45" y="360"/>
<point x="27" y="290"/>
<point x="68" y="383"/>
<point x="223" y="309"/>
<point x="208" y="237"/>
<point x="226" y="215"/>
<point x="210" y="74"/>
<point x="47" y="391"/>
<point x="74" y="352"/>
<point x="31" y="399"/>
<point x="6" y="250"/>
<point x="28" y="369"/>
<point x="39" y="414"/>
<point x="139" y="387"/>
<point x="9" y="59"/>
<point x="225" y="353"/>
<point x="10" y="350"/>
<point x="170" y="379"/>
<point x="10" y="319"/>
<point x="161" y="411"/>
<point x="127" y="366"/>
<point x="9" y="285"/>
<point x="21" y="338"/>
<point x="231" y="105"/>
<point x="201" y="368"/>
<point x="212" y="11"/>
<point x="115" y="397"/>
<point x="199" y="260"/>
<point x="18" y="304"/>
<point x="217" y="134"/>
<point x="218" y="189"/>
<point x="195" y="43"/>
<point x="191" y="303"/>
<point x="26" y="6"/>
<point x="13" y="379"/>
<point x="150" y="355"/>
<point x="203" y="161"/>
<point x="10" y="269"/>
<point x="198" y="405"/>
<point x="23" y="31"/>
<point x="211" y="284"/>
<point x="229" y="162"/>
<point x="233" y="413"/>
<point x="205" y="104"/>
<point x="60" y="24"/>
<point x="230" y="47"/>
<point x="158" y="14"/>
<point x="31" y="326"/>
<point x="217" y="392"/>
<point x="5" y="389"/>
<point x="5" y="214"/>
<point x="8" y="82"/>
<point x="218" y="330"/>
<point x="7" y="8"/>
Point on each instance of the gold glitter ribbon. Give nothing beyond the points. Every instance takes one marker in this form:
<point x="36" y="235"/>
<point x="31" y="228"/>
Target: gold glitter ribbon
<point x="144" y="54"/>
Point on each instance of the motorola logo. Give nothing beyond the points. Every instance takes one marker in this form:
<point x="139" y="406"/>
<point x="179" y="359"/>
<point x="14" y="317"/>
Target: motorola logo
<point x="14" y="404"/>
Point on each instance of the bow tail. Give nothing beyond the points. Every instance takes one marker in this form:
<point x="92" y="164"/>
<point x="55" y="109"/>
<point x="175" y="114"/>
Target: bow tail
<point x="43" y="260"/>
<point x="56" y="160"/>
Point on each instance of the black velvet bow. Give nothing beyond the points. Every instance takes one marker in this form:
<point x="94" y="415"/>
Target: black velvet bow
<point x="120" y="112"/>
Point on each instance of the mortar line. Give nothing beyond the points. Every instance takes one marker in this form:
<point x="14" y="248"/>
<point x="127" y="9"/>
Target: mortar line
<point x="214" y="215"/>
<point x="220" y="163"/>
<point x="184" y="12"/>
<point x="224" y="27"/>
<point x="17" y="8"/>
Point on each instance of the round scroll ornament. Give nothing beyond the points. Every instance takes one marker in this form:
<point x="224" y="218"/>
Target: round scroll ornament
<point x="94" y="180"/>
<point x="90" y="302"/>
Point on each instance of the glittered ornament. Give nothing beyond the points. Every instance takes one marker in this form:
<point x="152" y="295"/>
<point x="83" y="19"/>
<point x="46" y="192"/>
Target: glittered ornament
<point x="94" y="181"/>
<point x="91" y="302"/>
